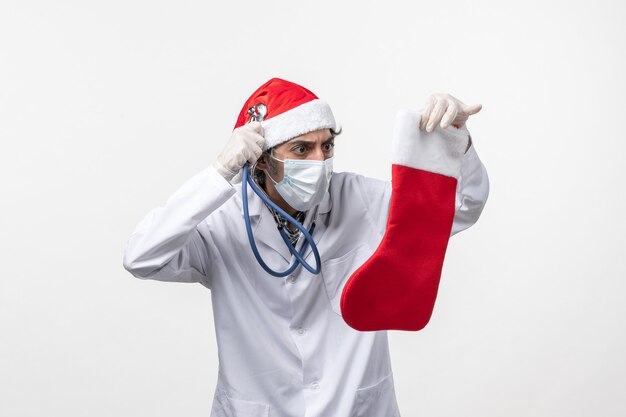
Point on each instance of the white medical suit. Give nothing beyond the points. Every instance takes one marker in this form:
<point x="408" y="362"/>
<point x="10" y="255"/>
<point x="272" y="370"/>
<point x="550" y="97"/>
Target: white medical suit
<point x="284" y="349"/>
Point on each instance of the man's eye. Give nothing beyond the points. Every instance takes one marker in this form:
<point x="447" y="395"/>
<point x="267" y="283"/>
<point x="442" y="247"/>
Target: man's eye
<point x="329" y="146"/>
<point x="299" y="149"/>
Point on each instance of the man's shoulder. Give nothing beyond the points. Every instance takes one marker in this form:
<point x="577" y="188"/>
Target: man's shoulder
<point x="342" y="179"/>
<point x="342" y="176"/>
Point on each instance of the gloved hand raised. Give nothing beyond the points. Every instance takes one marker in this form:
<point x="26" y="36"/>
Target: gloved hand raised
<point x="445" y="110"/>
<point x="245" y="144"/>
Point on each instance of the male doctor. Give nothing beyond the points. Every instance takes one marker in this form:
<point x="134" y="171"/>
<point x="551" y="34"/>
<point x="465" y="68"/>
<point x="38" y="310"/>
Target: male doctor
<point x="284" y="349"/>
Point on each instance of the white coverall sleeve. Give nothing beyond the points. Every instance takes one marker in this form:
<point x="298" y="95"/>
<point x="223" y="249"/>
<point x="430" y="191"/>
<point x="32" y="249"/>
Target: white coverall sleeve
<point x="471" y="195"/>
<point x="472" y="191"/>
<point x="166" y="244"/>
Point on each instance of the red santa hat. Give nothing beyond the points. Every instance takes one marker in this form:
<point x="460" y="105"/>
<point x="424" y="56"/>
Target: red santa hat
<point x="290" y="110"/>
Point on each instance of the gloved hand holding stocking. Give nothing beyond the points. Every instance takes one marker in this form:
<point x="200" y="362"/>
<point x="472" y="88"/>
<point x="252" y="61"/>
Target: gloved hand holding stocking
<point x="397" y="286"/>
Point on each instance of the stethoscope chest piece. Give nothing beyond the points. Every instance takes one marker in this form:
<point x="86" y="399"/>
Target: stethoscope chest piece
<point x="257" y="112"/>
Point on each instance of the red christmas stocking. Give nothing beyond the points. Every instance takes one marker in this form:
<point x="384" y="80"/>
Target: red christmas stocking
<point x="396" y="288"/>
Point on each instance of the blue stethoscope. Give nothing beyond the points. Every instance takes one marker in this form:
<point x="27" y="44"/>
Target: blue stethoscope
<point x="257" y="114"/>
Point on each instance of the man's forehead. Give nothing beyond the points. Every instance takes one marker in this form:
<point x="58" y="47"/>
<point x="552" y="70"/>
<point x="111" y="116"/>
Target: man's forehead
<point x="313" y="137"/>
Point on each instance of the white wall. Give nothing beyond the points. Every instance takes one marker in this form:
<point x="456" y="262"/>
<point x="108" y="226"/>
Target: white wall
<point x="107" y="107"/>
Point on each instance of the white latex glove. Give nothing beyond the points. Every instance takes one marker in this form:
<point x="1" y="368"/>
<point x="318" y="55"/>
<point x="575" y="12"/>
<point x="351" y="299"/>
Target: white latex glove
<point x="245" y="144"/>
<point x="445" y="110"/>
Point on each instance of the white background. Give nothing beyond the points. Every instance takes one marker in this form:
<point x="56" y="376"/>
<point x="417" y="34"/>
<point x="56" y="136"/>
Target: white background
<point x="107" y="107"/>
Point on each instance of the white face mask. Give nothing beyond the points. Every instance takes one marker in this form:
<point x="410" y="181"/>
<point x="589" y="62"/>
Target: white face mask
<point x="305" y="181"/>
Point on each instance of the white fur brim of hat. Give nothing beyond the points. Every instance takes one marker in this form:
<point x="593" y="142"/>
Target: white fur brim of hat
<point x="308" y="117"/>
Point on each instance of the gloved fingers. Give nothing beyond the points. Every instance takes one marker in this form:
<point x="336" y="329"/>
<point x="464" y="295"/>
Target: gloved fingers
<point x="430" y="104"/>
<point x="256" y="152"/>
<point x="472" y="109"/>
<point x="449" y="116"/>
<point x="254" y="143"/>
<point x="437" y="113"/>
<point x="259" y="140"/>
<point x="245" y="144"/>
<point x="256" y="133"/>
<point x="256" y="127"/>
<point x="240" y="160"/>
<point x="251" y="153"/>
<point x="444" y="110"/>
<point x="465" y="112"/>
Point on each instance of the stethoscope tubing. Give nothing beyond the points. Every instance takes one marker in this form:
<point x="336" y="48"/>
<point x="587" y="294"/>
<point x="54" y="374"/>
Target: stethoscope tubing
<point x="247" y="179"/>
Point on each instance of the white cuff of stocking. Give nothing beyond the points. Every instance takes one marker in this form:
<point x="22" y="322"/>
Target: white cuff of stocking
<point x="440" y="151"/>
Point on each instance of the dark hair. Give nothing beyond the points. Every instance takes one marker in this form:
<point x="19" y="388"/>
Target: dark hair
<point x="259" y="176"/>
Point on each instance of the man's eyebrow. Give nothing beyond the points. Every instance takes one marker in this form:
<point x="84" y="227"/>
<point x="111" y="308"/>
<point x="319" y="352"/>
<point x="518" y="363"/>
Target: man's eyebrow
<point x="308" y="142"/>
